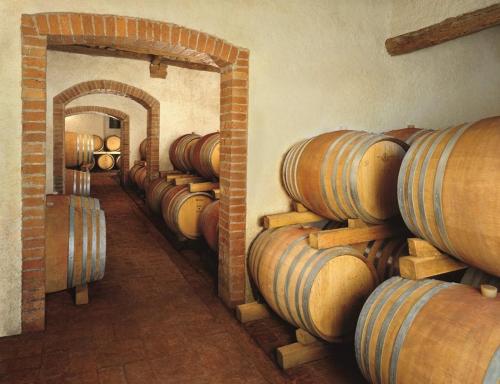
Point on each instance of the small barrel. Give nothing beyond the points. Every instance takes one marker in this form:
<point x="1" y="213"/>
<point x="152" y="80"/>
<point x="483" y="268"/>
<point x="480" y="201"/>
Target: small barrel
<point x="106" y="162"/>
<point x="75" y="242"/>
<point x="345" y="175"/>
<point x="134" y="170"/>
<point x="98" y="143"/>
<point x="113" y="143"/>
<point x="408" y="135"/>
<point x="143" y="149"/>
<point x="76" y="182"/>
<point x="154" y="194"/>
<point x="475" y="278"/>
<point x="181" y="210"/>
<point x="448" y="192"/>
<point x="320" y="291"/>
<point x="180" y="152"/>
<point x="140" y="178"/>
<point x="209" y="224"/>
<point x="78" y="149"/>
<point x="206" y="155"/>
<point x="428" y="331"/>
<point x="118" y="162"/>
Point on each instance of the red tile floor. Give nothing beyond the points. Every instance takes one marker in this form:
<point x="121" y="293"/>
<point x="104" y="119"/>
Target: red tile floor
<point x="154" y="318"/>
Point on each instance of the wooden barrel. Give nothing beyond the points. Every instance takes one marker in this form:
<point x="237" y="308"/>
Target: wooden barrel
<point x="475" y="277"/>
<point x="134" y="170"/>
<point x="75" y="242"/>
<point x="345" y="174"/>
<point x="143" y="149"/>
<point x="113" y="143"/>
<point x="140" y="178"/>
<point x="408" y="135"/>
<point x="76" y="182"/>
<point x="181" y="210"/>
<point x="320" y="291"/>
<point x="448" y="192"/>
<point x="106" y="161"/>
<point x="206" y="155"/>
<point x="428" y="331"/>
<point x="209" y="224"/>
<point x="154" y="193"/>
<point x="118" y="162"/>
<point x="98" y="143"/>
<point x="180" y="152"/>
<point x="78" y="149"/>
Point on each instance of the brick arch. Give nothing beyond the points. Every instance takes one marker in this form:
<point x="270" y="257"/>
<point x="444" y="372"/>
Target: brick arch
<point x="37" y="30"/>
<point x="124" y="132"/>
<point x="151" y="104"/>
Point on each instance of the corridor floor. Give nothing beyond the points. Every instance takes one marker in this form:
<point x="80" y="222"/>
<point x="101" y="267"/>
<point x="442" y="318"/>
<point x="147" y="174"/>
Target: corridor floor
<point x="145" y="323"/>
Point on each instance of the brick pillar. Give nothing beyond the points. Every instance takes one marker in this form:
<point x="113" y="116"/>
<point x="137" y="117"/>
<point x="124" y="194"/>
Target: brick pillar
<point x="125" y="151"/>
<point x="58" y="148"/>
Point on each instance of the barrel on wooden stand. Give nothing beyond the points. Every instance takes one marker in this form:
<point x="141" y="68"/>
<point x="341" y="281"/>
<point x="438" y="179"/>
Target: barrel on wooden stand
<point x="448" y="192"/>
<point x="154" y="193"/>
<point x="75" y="242"/>
<point x="113" y="143"/>
<point x="209" y="224"/>
<point x="206" y="155"/>
<point x="345" y="174"/>
<point x="98" y="143"/>
<point x="428" y="331"/>
<point x="106" y="162"/>
<point x="320" y="291"/>
<point x="78" y="149"/>
<point x="180" y="152"/>
<point x="475" y="278"/>
<point x="143" y="149"/>
<point x="181" y="210"/>
<point x="76" y="182"/>
<point x="408" y="135"/>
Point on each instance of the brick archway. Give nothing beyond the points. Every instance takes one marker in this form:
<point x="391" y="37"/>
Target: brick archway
<point x="151" y="104"/>
<point x="124" y="132"/>
<point x="37" y="30"/>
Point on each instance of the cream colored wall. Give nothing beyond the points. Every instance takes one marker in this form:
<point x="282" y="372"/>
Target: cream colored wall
<point x="315" y="66"/>
<point x="189" y="100"/>
<point x="89" y="123"/>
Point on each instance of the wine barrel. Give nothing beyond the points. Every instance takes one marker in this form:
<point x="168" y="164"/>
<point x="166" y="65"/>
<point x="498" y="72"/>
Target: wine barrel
<point x="98" y="143"/>
<point x="209" y="224"/>
<point x="181" y="210"/>
<point x="75" y="243"/>
<point x="320" y="291"/>
<point x="428" y="331"/>
<point x="345" y="174"/>
<point x="113" y="143"/>
<point x="408" y="135"/>
<point x="76" y="182"/>
<point x="143" y="149"/>
<point x="448" y="192"/>
<point x="140" y="178"/>
<point x="475" y="278"/>
<point x="180" y="152"/>
<point x="106" y="162"/>
<point x="154" y="194"/>
<point x="78" y="149"/>
<point x="134" y="170"/>
<point x="206" y="155"/>
<point x="118" y="162"/>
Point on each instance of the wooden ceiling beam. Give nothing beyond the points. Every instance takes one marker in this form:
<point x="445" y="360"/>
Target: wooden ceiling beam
<point x="446" y="30"/>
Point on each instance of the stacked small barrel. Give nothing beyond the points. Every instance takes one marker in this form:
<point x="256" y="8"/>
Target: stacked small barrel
<point x="78" y="153"/>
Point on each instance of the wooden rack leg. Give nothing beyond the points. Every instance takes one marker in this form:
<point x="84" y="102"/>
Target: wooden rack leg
<point x="307" y="348"/>
<point x="251" y="311"/>
<point x="81" y="295"/>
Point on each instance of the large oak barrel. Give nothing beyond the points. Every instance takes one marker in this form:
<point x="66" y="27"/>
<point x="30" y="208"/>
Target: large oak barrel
<point x="106" y="162"/>
<point x="78" y="149"/>
<point x="209" y="224"/>
<point x="428" y="331"/>
<point x="76" y="182"/>
<point x="180" y="152"/>
<point x="320" y="291"/>
<point x="134" y="170"/>
<point x="475" y="278"/>
<point x="98" y="143"/>
<point x="143" y="149"/>
<point x="113" y="143"/>
<point x="181" y="210"/>
<point x="140" y="178"/>
<point x="75" y="242"/>
<point x="154" y="193"/>
<point x="408" y="135"/>
<point x="206" y="155"/>
<point x="345" y="174"/>
<point x="448" y="192"/>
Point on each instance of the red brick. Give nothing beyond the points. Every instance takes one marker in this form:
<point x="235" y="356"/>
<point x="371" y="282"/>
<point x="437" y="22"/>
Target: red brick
<point x="121" y="27"/>
<point x="142" y="29"/>
<point x="110" y="25"/>
<point x="132" y="28"/>
<point x="88" y="27"/>
<point x="42" y="24"/>
<point x="76" y="24"/>
<point x="65" y="25"/>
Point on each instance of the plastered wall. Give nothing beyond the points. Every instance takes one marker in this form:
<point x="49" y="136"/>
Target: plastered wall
<point x="189" y="99"/>
<point x="89" y="123"/>
<point x="315" y="66"/>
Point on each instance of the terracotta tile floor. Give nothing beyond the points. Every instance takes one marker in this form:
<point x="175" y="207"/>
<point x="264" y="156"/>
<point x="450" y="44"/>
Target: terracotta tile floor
<point x="154" y="318"/>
